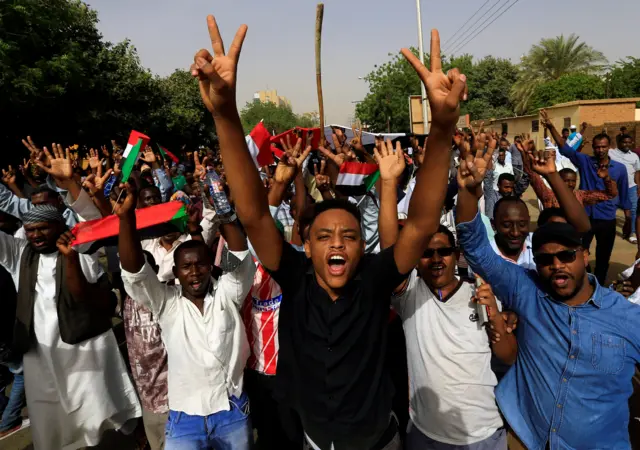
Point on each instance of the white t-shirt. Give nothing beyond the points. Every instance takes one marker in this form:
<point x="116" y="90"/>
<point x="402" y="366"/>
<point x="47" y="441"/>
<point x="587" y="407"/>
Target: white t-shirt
<point x="449" y="356"/>
<point x="631" y="163"/>
<point x="499" y="169"/>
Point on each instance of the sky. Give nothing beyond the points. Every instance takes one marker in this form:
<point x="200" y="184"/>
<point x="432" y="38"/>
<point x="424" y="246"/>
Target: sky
<point x="278" y="51"/>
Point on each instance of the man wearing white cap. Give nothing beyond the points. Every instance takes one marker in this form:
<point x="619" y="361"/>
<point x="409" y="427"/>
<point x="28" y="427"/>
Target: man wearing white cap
<point x="575" y="139"/>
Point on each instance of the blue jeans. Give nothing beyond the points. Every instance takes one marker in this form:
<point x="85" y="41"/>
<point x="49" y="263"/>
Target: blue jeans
<point x="633" y="195"/>
<point x="12" y="414"/>
<point x="224" y="430"/>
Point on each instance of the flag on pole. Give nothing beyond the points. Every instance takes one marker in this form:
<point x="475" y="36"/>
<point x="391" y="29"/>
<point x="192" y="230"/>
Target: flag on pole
<point x="167" y="154"/>
<point x="137" y="141"/>
<point x="357" y="178"/>
<point x="259" y="143"/>
<point x="153" y="221"/>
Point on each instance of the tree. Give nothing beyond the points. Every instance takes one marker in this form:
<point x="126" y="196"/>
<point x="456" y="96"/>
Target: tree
<point x="276" y="118"/>
<point x="59" y="81"/>
<point x="624" y="79"/>
<point x="48" y="65"/>
<point x="549" y="60"/>
<point x="386" y="106"/>
<point x="182" y="119"/>
<point x="490" y="81"/>
<point x="567" y="89"/>
<point x="391" y="84"/>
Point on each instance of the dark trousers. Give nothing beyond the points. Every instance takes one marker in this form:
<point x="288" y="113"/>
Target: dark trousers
<point x="278" y="426"/>
<point x="605" y="234"/>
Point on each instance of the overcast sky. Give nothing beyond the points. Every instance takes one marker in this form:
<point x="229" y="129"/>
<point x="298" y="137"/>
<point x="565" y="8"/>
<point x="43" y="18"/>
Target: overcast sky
<point x="279" y="49"/>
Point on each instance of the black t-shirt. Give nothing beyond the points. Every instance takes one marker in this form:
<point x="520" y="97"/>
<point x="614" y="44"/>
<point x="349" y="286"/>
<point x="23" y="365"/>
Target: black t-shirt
<point x="331" y="359"/>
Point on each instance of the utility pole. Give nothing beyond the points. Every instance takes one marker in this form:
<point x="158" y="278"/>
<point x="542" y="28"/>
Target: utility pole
<point x="425" y="118"/>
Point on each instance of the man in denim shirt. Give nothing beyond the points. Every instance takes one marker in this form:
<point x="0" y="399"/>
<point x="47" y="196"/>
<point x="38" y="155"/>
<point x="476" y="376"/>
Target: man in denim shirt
<point x="578" y="343"/>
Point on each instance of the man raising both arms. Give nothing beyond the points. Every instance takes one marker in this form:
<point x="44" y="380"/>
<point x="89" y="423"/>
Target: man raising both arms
<point x="578" y="343"/>
<point x="335" y="306"/>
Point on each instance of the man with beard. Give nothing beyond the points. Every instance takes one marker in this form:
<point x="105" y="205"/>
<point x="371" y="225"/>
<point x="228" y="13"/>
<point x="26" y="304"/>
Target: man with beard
<point x="76" y="382"/>
<point x="578" y="343"/>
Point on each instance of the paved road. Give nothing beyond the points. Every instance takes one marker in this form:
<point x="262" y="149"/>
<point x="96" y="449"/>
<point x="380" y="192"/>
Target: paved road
<point x="623" y="256"/>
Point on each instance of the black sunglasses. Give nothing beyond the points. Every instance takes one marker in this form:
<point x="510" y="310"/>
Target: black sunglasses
<point x="547" y="259"/>
<point x="444" y="251"/>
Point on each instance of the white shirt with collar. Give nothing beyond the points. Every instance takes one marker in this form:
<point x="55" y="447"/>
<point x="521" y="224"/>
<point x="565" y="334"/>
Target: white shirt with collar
<point x="524" y="260"/>
<point x="499" y="169"/>
<point x="526" y="255"/>
<point x="207" y="351"/>
<point x="164" y="257"/>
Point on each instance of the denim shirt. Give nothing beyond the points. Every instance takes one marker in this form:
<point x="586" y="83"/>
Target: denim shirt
<point x="571" y="382"/>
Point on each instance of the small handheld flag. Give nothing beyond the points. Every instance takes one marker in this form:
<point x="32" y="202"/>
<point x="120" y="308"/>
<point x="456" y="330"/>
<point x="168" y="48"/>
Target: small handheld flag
<point x="136" y="142"/>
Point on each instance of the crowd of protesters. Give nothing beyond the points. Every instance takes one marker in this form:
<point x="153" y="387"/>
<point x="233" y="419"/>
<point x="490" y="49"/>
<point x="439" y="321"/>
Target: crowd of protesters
<point x="421" y="314"/>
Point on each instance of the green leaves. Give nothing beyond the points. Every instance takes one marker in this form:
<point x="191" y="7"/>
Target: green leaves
<point x="566" y="89"/>
<point x="61" y="82"/>
<point x="550" y="60"/>
<point x="276" y="118"/>
<point x="391" y="84"/>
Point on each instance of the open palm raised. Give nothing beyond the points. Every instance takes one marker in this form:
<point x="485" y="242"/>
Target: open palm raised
<point x="217" y="74"/>
<point x="445" y="91"/>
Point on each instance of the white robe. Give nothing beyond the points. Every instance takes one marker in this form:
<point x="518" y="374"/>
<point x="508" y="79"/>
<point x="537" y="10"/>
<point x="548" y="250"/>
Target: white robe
<point x="74" y="392"/>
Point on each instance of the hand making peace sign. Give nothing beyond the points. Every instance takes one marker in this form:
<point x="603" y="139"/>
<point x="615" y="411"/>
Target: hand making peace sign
<point x="217" y="74"/>
<point x="445" y="91"/>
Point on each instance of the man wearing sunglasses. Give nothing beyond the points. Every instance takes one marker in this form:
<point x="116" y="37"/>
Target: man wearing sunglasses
<point x="578" y="343"/>
<point x="449" y="354"/>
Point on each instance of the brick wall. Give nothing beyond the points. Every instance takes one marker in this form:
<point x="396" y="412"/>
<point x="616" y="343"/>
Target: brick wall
<point x="612" y="129"/>
<point x="599" y="114"/>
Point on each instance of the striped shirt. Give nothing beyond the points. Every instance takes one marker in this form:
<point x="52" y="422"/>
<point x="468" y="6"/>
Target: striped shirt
<point x="260" y="313"/>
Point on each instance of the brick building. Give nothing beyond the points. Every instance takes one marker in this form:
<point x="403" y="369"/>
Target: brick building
<point x="607" y="114"/>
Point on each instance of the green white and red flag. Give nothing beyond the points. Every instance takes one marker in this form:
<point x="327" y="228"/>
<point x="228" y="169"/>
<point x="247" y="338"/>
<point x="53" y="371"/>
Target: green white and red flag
<point x="153" y="221"/>
<point x="166" y="154"/>
<point x="137" y="142"/>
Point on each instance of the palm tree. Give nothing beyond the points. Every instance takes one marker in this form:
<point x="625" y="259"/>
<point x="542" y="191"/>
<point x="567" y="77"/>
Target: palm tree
<point x="550" y="60"/>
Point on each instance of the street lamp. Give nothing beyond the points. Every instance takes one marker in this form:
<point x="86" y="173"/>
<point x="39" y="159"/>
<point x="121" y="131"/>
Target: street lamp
<point x="425" y="119"/>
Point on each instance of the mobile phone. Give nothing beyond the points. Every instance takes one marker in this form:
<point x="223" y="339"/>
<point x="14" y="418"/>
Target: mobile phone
<point x="481" y="310"/>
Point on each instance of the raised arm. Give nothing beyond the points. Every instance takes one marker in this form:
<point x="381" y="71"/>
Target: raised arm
<point x="78" y="285"/>
<point x="140" y="282"/>
<point x="129" y="246"/>
<point x="445" y="91"/>
<point x="546" y="122"/>
<point x="544" y="163"/>
<point x="391" y="168"/>
<point x="504" y="277"/>
<point x="12" y="204"/>
<point x="217" y="76"/>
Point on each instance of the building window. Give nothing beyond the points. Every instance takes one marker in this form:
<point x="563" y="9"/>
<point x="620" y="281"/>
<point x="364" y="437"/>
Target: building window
<point x="535" y="126"/>
<point x="567" y="122"/>
<point x="505" y="128"/>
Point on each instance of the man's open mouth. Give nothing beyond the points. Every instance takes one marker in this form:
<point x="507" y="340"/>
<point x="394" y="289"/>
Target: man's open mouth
<point x="337" y="264"/>
<point x="437" y="270"/>
<point x="560" y="280"/>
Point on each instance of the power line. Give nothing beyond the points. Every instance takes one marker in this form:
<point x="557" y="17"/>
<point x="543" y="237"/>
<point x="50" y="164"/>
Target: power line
<point x="461" y="46"/>
<point x="473" y="26"/>
<point x="468" y="20"/>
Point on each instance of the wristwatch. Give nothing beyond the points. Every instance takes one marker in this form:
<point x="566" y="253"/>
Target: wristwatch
<point x="229" y="219"/>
